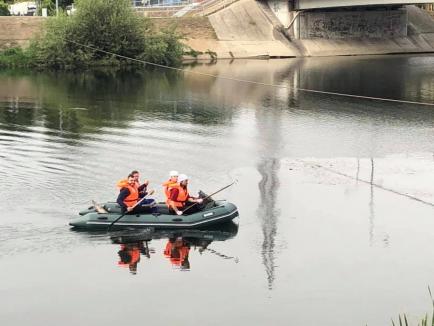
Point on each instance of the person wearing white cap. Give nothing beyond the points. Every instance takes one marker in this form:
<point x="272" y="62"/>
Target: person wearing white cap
<point x="173" y="181"/>
<point x="179" y="198"/>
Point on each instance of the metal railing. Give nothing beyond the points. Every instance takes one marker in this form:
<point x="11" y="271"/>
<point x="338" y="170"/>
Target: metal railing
<point x="209" y="7"/>
<point x="160" y="3"/>
<point x="160" y="9"/>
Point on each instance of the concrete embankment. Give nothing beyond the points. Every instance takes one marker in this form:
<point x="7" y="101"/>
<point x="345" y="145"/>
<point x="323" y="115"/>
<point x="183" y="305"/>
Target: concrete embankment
<point x="248" y="29"/>
<point x="17" y="31"/>
<point x="245" y="29"/>
<point x="419" y="39"/>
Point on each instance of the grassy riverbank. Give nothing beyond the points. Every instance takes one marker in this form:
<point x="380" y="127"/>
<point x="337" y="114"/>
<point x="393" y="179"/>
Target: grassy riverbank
<point x="91" y="37"/>
<point x="427" y="320"/>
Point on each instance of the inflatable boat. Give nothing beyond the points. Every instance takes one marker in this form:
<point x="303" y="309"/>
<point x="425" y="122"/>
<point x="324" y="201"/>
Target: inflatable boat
<point x="101" y="216"/>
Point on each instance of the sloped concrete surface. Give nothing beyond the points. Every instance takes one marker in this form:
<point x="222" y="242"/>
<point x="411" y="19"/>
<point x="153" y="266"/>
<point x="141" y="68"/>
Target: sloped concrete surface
<point x="242" y="49"/>
<point x="420" y="20"/>
<point x="243" y="30"/>
<point x="242" y="21"/>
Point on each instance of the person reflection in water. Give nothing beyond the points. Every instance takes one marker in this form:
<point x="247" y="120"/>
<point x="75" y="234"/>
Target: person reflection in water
<point x="177" y="250"/>
<point x="129" y="255"/>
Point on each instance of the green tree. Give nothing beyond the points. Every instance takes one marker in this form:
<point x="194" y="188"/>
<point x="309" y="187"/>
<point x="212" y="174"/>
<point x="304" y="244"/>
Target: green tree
<point x="64" y="3"/>
<point x="4" y="11"/>
<point x="51" y="5"/>
<point x="107" y="25"/>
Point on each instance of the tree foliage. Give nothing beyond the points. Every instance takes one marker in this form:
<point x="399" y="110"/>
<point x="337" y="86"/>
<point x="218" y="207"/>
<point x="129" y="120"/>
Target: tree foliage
<point x="14" y="58"/>
<point x="96" y="32"/>
<point x="4" y="11"/>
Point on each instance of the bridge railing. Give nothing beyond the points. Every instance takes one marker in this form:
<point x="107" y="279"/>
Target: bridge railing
<point x="209" y="7"/>
<point x="184" y="8"/>
<point x="159" y="11"/>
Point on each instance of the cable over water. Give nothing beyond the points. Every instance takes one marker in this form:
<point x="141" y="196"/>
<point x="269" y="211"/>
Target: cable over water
<point x="371" y="183"/>
<point x="256" y="82"/>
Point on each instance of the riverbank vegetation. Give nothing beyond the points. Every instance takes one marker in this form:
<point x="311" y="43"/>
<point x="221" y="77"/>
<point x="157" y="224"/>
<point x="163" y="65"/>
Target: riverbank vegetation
<point x="4" y="11"/>
<point x="427" y="320"/>
<point x="403" y="321"/>
<point x="100" y="33"/>
<point x="51" y="6"/>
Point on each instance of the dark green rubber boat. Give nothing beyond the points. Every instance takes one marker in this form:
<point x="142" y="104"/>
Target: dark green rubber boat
<point x="94" y="218"/>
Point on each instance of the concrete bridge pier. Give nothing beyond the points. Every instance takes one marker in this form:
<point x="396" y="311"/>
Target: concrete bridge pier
<point x="378" y="21"/>
<point x="348" y="23"/>
<point x="355" y="27"/>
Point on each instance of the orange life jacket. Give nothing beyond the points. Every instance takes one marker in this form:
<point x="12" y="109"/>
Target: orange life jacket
<point x="167" y="185"/>
<point x="124" y="183"/>
<point x="168" y="249"/>
<point x="133" y="197"/>
<point x="183" y="255"/>
<point x="183" y="252"/>
<point x="181" y="199"/>
<point x="134" y="253"/>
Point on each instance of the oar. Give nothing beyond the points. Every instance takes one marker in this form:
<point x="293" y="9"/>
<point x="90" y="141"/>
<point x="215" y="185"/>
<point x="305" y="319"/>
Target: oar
<point x="203" y="199"/>
<point x="221" y="255"/>
<point x="110" y="226"/>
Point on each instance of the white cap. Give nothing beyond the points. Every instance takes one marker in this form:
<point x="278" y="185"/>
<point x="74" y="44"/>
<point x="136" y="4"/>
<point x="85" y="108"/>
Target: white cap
<point x="182" y="177"/>
<point x="173" y="173"/>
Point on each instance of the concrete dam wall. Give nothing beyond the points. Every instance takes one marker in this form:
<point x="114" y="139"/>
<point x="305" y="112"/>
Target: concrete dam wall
<point x="353" y="24"/>
<point x="269" y="28"/>
<point x="387" y="38"/>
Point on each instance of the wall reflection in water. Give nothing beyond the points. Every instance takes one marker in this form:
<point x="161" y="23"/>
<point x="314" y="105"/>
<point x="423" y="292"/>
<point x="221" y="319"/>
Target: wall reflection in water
<point x="268" y="214"/>
<point x="83" y="102"/>
<point x="372" y="232"/>
<point x="269" y="142"/>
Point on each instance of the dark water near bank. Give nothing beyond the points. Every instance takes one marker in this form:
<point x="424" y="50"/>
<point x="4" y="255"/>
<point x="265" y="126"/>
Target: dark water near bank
<point x="316" y="245"/>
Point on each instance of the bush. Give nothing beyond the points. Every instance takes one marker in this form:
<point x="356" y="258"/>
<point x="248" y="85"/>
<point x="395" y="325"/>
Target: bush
<point x="108" y="25"/>
<point x="14" y="57"/>
<point x="4" y="11"/>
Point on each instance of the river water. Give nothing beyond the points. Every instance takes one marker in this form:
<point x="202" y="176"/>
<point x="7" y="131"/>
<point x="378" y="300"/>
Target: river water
<point x="335" y="194"/>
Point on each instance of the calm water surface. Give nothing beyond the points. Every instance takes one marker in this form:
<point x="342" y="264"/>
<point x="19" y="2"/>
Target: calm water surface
<point x="315" y="243"/>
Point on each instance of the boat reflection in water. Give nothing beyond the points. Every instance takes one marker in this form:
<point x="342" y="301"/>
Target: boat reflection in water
<point x="135" y="244"/>
<point x="177" y="251"/>
<point x="129" y="255"/>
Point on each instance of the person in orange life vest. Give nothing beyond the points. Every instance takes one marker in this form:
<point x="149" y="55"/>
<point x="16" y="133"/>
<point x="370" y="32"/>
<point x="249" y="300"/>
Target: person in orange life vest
<point x="173" y="181"/>
<point x="124" y="182"/>
<point x="130" y="194"/>
<point x="136" y="175"/>
<point x="143" y="192"/>
<point x="179" y="198"/>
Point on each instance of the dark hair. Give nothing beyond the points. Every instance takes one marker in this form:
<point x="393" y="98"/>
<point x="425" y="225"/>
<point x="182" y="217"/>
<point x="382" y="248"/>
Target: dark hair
<point x="124" y="256"/>
<point x="134" y="172"/>
<point x="131" y="175"/>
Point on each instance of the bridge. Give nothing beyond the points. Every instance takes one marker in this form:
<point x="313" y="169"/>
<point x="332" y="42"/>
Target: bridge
<point x="323" y="4"/>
